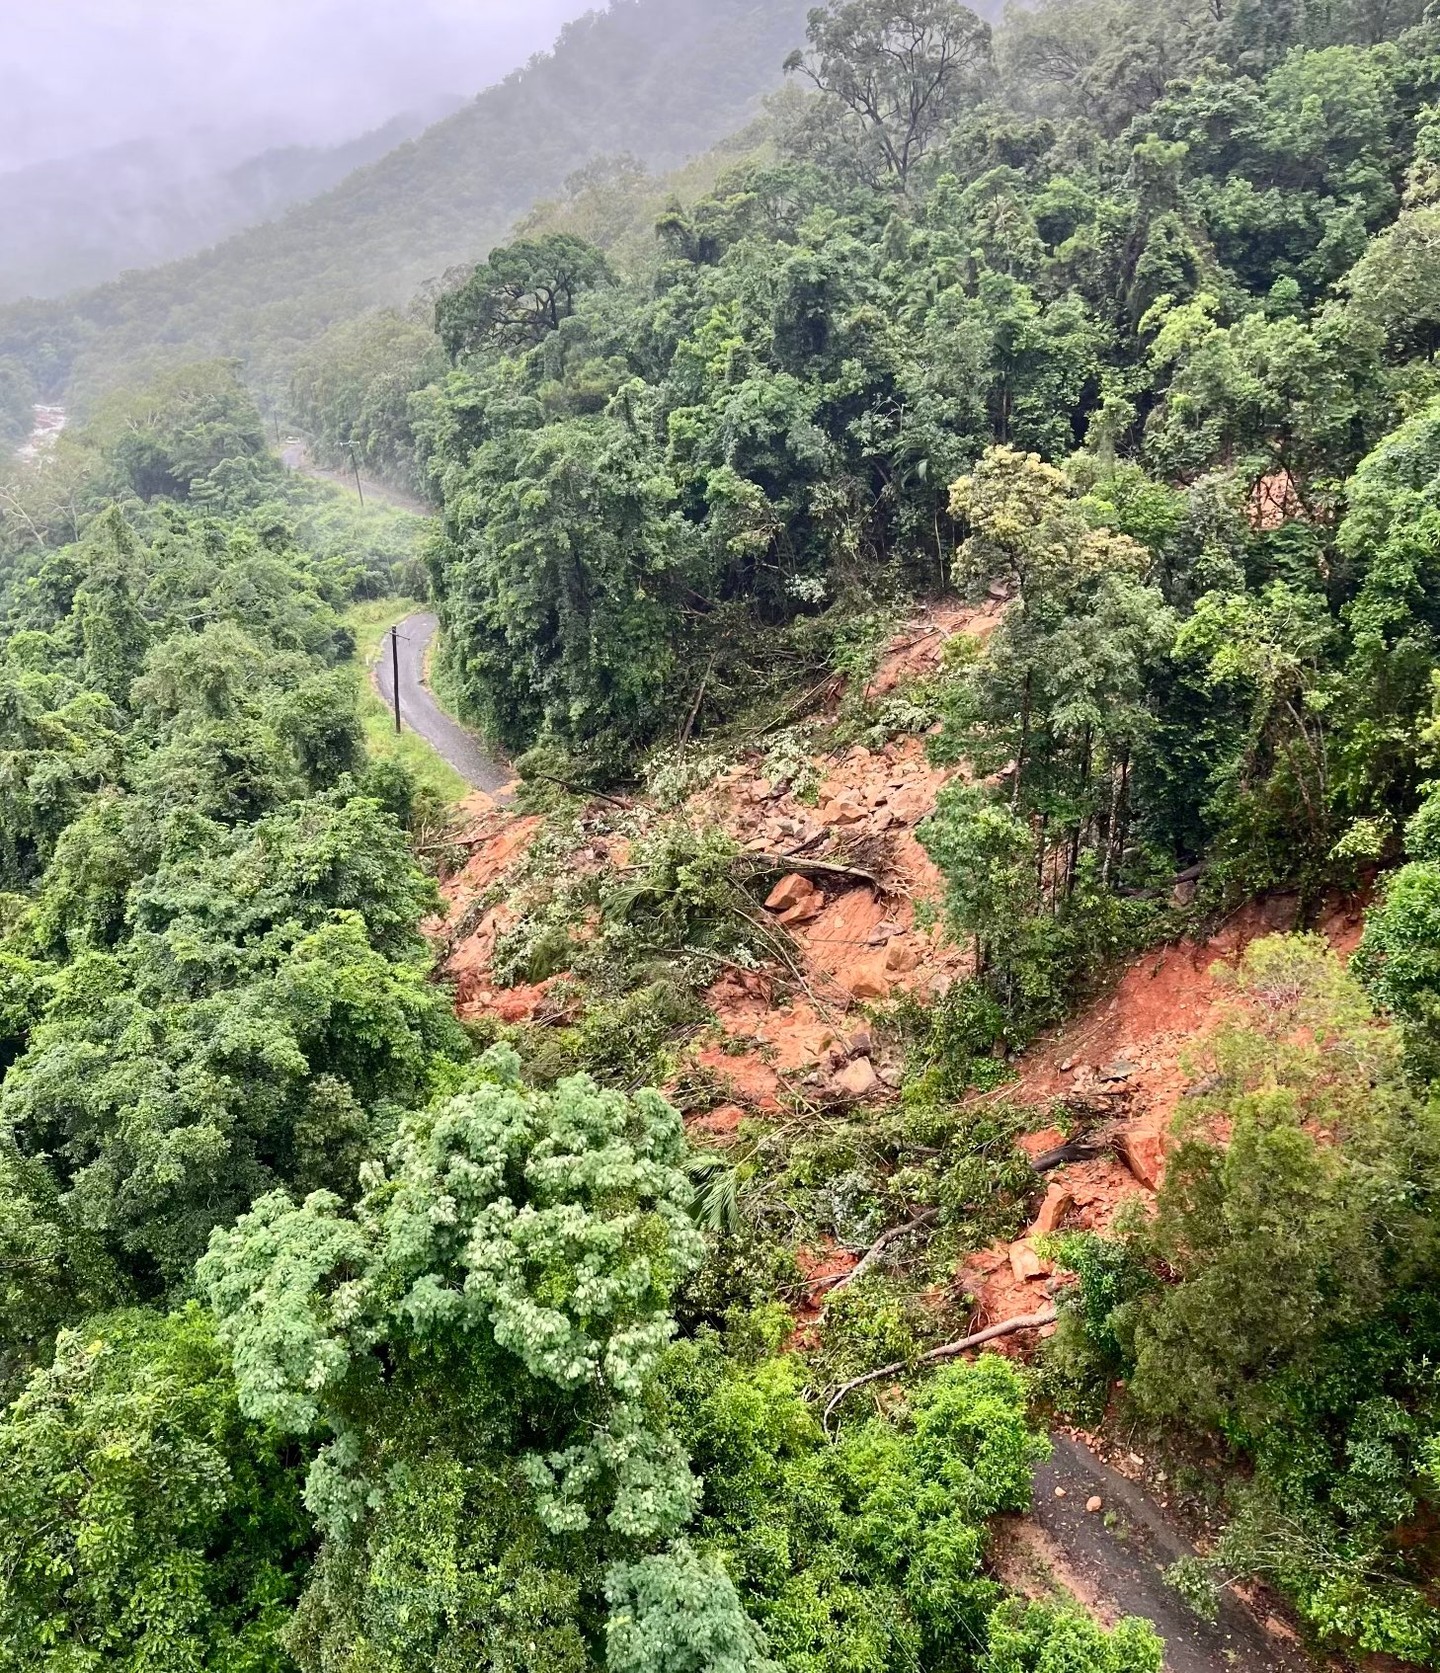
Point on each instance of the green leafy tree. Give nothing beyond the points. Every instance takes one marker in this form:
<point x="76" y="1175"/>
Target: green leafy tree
<point x="144" y="1521"/>
<point x="524" y="292"/>
<point x="901" y="71"/>
<point x="560" y="594"/>
<point x="477" y="1345"/>
<point x="1056" y="705"/>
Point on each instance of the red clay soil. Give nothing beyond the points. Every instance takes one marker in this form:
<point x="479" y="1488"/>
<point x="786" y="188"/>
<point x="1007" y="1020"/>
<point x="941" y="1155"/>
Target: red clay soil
<point x="1133" y="1044"/>
<point x="798" y="1036"/>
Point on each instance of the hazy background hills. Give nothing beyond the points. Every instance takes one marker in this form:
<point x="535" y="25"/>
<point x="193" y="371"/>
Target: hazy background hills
<point x="657" y="79"/>
<point x="88" y="218"/>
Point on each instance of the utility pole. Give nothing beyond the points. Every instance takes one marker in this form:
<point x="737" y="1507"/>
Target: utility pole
<point x="395" y="671"/>
<point x="355" y="464"/>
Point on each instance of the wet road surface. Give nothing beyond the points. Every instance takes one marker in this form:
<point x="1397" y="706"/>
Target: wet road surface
<point x="1122" y="1551"/>
<point x="419" y="710"/>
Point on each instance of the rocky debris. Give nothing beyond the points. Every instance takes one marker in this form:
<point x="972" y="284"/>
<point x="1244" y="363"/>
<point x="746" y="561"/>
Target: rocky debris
<point x="1094" y="1503"/>
<point x="1058" y="1203"/>
<point x="789" y="892"/>
<point x="857" y="1079"/>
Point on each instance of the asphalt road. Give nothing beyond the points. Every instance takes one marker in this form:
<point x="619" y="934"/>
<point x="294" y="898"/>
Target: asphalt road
<point x="1122" y="1553"/>
<point x="419" y="710"/>
<point x="295" y="456"/>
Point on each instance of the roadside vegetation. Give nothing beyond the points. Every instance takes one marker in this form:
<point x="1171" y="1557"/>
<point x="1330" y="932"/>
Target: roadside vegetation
<point x="338" y="1333"/>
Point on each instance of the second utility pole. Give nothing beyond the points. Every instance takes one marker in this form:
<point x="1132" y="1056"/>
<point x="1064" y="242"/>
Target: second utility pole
<point x="395" y="671"/>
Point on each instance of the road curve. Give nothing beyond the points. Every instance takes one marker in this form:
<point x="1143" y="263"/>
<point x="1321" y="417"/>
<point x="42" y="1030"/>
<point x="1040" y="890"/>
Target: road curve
<point x="295" y="456"/>
<point x="1121" y="1553"/>
<point x="419" y="710"/>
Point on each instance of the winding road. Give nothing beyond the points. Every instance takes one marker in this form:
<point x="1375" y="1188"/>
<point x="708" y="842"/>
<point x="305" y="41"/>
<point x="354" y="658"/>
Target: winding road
<point x="419" y="710"/>
<point x="1119" y="1558"/>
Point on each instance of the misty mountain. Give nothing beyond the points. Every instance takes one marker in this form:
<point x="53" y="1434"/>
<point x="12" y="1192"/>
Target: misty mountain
<point x="658" y="79"/>
<point x="89" y="218"/>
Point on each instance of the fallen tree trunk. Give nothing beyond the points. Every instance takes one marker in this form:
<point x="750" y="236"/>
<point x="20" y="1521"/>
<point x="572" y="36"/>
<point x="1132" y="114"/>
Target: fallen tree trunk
<point x="783" y="864"/>
<point x="951" y="1350"/>
<point x="878" y="1247"/>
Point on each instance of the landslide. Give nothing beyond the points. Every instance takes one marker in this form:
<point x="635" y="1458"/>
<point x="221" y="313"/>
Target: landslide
<point x="805" y="1042"/>
<point x="856" y="907"/>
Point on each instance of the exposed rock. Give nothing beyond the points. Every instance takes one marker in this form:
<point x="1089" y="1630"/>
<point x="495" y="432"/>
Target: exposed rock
<point x="845" y="809"/>
<point x="1143" y="1149"/>
<point x="1121" y="1069"/>
<point x="1026" y="1264"/>
<point x="901" y="957"/>
<point x="1094" y="1503"/>
<point x="868" y="979"/>
<point x="1280" y="912"/>
<point x="789" y="892"/>
<point x="857" y="1079"/>
<point x="1058" y="1203"/>
<point x="909" y="806"/>
<point x="861" y="1042"/>
<point x="805" y="910"/>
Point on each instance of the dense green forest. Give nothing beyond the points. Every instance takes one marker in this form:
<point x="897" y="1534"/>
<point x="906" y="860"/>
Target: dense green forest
<point x="337" y="1336"/>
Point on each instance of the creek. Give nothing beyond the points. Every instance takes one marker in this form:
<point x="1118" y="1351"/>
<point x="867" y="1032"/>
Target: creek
<point x="49" y="422"/>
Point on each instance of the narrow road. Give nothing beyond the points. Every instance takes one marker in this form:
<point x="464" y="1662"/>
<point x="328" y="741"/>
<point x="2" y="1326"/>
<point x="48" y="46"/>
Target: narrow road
<point x="295" y="456"/>
<point x="1120" y="1554"/>
<point x="419" y="710"/>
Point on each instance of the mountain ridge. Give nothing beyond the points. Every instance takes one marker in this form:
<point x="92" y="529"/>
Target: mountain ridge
<point x="639" y="77"/>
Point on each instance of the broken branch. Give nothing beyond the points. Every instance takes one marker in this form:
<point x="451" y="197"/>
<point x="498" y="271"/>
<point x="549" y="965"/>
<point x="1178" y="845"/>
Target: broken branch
<point x="951" y="1350"/>
<point x="785" y="863"/>
<point x="878" y="1248"/>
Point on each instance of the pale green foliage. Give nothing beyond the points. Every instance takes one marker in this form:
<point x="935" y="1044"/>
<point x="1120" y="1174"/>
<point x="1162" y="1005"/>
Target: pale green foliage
<point x="1051" y="1638"/>
<point x="478" y="1340"/>
<point x="678" y="1613"/>
<point x="544" y="1231"/>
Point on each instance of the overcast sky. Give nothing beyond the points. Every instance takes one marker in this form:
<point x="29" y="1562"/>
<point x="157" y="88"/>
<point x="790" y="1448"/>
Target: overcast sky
<point x="78" y="74"/>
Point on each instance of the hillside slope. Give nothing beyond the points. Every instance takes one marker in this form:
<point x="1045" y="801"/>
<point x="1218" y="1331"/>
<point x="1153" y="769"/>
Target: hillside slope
<point x="659" y="79"/>
<point x="89" y="218"/>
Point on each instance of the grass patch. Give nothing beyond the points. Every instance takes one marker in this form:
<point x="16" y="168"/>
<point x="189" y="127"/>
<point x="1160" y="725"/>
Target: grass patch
<point x="370" y="620"/>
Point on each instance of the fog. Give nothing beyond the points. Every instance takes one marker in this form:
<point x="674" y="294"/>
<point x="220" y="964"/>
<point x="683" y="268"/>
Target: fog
<point x="238" y="76"/>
